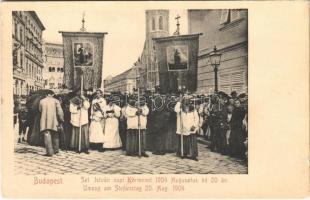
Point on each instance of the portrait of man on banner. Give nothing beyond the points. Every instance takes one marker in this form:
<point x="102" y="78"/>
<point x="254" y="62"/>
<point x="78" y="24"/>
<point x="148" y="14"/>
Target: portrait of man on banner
<point x="177" y="58"/>
<point x="83" y="54"/>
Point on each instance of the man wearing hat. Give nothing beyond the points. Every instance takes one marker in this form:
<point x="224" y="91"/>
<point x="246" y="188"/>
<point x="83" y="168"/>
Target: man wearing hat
<point x="51" y="117"/>
<point x="79" y="106"/>
<point x="234" y="95"/>
<point x="111" y="139"/>
<point x="136" y="120"/>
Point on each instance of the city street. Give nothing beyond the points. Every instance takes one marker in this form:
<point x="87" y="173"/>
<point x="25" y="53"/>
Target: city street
<point x="75" y="61"/>
<point x="29" y="160"/>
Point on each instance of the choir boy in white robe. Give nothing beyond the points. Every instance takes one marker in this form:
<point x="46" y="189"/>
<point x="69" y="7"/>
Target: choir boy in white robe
<point x="133" y="112"/>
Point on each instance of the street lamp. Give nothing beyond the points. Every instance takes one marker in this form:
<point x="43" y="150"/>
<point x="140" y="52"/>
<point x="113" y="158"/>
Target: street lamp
<point x="215" y="60"/>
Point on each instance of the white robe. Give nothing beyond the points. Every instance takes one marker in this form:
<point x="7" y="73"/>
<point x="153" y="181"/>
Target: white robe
<point x="75" y="114"/>
<point x="111" y="137"/>
<point x="132" y="118"/>
<point x="185" y="121"/>
<point x="96" y="128"/>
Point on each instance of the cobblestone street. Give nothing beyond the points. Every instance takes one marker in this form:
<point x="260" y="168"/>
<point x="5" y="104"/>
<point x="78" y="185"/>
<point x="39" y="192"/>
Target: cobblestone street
<point x="29" y="160"/>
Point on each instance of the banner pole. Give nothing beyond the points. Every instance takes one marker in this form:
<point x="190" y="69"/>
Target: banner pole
<point x="81" y="104"/>
<point x="180" y="86"/>
<point x="139" y="124"/>
<point x="181" y="129"/>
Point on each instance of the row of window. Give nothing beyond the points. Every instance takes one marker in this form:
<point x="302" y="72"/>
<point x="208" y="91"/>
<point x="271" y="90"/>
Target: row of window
<point x="33" y="70"/>
<point x="29" y="23"/>
<point x="119" y="84"/>
<point x="24" y="89"/>
<point x="18" y="61"/>
<point x="34" y="49"/>
<point x="53" y="86"/>
<point x="160" y="23"/>
<point x="227" y="82"/>
<point x="33" y="27"/>
<point x="19" y="32"/>
<point x="37" y="41"/>
<point x="53" y="69"/>
<point x="20" y="35"/>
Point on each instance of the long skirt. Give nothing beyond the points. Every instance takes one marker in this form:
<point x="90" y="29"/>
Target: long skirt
<point x="236" y="142"/>
<point x="219" y="141"/>
<point x="122" y="132"/>
<point x="96" y="132"/>
<point x="65" y="137"/>
<point x="171" y="137"/>
<point x="190" y="147"/>
<point x="111" y="139"/>
<point x="159" y="138"/>
<point x="132" y="141"/>
<point x="67" y="127"/>
<point x="35" y="138"/>
<point x="74" y="144"/>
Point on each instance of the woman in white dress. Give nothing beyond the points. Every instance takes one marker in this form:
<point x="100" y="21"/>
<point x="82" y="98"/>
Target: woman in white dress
<point x="112" y="139"/>
<point x="96" y="129"/>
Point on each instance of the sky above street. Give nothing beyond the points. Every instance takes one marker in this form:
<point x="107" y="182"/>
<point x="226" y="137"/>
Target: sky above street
<point x="126" y="31"/>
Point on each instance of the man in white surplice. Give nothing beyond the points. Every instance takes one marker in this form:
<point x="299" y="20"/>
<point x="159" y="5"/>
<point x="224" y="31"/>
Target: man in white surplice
<point x="187" y="126"/>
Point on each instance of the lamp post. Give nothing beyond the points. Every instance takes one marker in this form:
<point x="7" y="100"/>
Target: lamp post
<point x="215" y="60"/>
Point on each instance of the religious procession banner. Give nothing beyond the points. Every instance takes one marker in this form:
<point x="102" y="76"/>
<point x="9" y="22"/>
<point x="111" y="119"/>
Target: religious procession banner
<point x="177" y="62"/>
<point x="83" y="56"/>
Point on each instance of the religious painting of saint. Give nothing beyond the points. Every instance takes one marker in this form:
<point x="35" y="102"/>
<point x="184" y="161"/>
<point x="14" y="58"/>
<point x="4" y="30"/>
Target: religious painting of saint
<point x="83" y="54"/>
<point x="177" y="58"/>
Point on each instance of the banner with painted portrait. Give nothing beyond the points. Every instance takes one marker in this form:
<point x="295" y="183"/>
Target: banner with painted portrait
<point x="177" y="62"/>
<point x="177" y="57"/>
<point x="83" y="54"/>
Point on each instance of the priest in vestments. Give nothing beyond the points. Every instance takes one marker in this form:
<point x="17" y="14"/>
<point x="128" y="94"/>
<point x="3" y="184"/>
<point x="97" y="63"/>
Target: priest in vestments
<point x="159" y="118"/>
<point x="79" y="106"/>
<point x="187" y="126"/>
<point x="171" y="132"/>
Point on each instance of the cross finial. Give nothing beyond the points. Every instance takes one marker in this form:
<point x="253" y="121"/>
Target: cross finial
<point x="177" y="32"/>
<point x="83" y="23"/>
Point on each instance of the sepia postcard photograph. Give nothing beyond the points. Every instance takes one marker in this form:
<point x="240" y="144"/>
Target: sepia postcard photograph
<point x="154" y="99"/>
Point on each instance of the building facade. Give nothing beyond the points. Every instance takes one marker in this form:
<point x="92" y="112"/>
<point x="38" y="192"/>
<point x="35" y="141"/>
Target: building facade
<point x="228" y="30"/>
<point x="157" y="25"/>
<point x="27" y="52"/>
<point x="53" y="66"/>
<point x="124" y="82"/>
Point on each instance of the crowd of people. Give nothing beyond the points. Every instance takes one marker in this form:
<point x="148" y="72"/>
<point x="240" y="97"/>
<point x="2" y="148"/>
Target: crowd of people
<point x="160" y="123"/>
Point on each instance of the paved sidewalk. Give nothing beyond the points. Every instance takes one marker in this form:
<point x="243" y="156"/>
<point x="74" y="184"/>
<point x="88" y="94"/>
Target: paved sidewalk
<point x="29" y="160"/>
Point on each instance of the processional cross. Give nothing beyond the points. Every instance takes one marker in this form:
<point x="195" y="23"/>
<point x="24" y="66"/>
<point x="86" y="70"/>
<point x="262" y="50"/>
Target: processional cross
<point x="83" y="23"/>
<point x="177" y="32"/>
